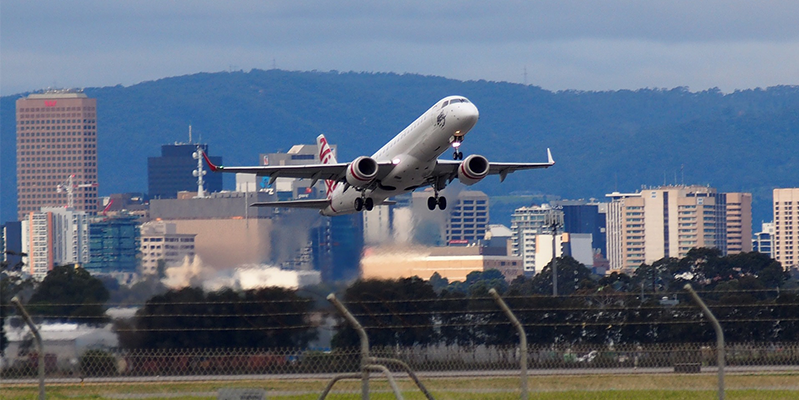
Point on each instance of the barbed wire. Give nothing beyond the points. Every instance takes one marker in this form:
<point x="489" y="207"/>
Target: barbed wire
<point x="426" y="300"/>
<point x="482" y="325"/>
<point x="771" y="307"/>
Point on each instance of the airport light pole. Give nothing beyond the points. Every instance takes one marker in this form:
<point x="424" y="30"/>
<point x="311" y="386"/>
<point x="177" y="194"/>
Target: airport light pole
<point x="554" y="220"/>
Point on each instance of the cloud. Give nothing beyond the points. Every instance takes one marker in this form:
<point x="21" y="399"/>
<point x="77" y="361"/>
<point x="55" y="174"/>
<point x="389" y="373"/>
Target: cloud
<point x="98" y="42"/>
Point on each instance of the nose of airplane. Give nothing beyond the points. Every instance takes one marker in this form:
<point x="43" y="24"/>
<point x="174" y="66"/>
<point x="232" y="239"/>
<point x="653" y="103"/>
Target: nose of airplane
<point x="467" y="116"/>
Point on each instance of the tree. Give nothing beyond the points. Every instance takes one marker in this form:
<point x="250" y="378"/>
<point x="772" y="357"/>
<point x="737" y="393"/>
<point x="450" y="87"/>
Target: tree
<point x="191" y="318"/>
<point x="394" y="312"/>
<point x="10" y="286"/>
<point x="658" y="277"/>
<point x="70" y="294"/>
<point x="439" y="283"/>
<point x="572" y="275"/>
<point x="619" y="282"/>
<point x="767" y="270"/>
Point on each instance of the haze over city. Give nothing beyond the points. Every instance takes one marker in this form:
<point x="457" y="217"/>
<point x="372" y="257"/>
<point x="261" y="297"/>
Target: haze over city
<point x="558" y="45"/>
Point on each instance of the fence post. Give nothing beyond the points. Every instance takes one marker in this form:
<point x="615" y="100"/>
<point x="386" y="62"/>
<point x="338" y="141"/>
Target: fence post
<point x="719" y="337"/>
<point x="364" y="343"/>
<point x="37" y="338"/>
<point x="522" y="338"/>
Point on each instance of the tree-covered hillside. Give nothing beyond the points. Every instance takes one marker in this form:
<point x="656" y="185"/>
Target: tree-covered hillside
<point x="602" y="141"/>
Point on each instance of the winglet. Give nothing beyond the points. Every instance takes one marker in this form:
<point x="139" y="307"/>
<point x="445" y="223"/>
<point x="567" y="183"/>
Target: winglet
<point x="211" y="165"/>
<point x="550" y="160"/>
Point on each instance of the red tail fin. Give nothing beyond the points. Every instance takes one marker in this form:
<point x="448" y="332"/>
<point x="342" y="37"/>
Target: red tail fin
<point x="326" y="156"/>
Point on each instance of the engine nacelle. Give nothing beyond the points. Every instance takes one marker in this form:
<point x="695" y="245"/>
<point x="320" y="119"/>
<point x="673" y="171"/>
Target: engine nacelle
<point x="473" y="169"/>
<point x="361" y="171"/>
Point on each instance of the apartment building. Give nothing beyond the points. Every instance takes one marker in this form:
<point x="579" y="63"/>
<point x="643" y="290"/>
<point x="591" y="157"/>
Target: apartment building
<point x="668" y="221"/>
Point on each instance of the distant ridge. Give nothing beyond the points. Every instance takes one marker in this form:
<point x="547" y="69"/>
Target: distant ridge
<point x="741" y="141"/>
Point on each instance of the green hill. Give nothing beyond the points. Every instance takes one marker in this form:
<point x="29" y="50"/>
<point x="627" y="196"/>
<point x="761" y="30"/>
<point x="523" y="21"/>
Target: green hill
<point x="602" y="141"/>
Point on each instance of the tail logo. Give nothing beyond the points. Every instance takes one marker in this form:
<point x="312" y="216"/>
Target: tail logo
<point x="326" y="157"/>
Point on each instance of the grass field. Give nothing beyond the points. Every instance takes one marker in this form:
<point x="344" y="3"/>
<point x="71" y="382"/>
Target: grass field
<point x="593" y="387"/>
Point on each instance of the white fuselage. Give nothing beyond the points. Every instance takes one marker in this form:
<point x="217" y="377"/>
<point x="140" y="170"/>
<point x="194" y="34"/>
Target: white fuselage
<point x="413" y="152"/>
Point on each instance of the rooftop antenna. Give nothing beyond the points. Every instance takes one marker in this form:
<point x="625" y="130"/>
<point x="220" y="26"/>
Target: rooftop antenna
<point x="682" y="173"/>
<point x="199" y="173"/>
<point x="189" y="133"/>
<point x="525" y="75"/>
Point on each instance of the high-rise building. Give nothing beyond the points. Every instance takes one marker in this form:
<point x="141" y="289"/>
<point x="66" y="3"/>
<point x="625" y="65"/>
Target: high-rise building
<point x="583" y="217"/>
<point x="172" y="171"/>
<point x="55" y="236"/>
<point x="56" y="141"/>
<point x="786" y="226"/>
<point x="467" y="219"/>
<point x="527" y="224"/>
<point x="739" y="222"/>
<point x="763" y="241"/>
<point x="377" y="225"/>
<point x="337" y="245"/>
<point x="12" y="245"/>
<point x="668" y="221"/>
<point x="113" y="245"/>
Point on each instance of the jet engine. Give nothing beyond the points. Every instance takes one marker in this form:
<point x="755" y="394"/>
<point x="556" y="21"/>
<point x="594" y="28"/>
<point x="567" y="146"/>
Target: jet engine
<point x="473" y="169"/>
<point x="361" y="171"/>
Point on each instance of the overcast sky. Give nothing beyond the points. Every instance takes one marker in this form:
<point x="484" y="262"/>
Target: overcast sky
<point x="584" y="45"/>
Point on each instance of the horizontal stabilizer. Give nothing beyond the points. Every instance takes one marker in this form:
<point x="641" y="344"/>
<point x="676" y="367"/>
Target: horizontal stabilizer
<point x="317" y="204"/>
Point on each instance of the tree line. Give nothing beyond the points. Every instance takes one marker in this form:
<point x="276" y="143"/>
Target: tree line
<point x="750" y="293"/>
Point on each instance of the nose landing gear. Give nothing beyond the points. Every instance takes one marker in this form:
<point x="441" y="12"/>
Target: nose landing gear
<point x="456" y="144"/>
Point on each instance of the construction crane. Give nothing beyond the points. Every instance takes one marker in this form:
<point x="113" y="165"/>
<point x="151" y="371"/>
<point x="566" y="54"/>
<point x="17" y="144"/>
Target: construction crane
<point x="69" y="186"/>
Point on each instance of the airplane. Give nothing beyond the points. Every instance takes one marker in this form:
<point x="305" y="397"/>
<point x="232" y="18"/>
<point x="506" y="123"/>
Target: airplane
<point x="407" y="162"/>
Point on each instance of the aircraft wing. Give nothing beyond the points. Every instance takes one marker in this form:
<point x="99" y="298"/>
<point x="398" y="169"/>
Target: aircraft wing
<point x="333" y="171"/>
<point x="317" y="204"/>
<point x="449" y="168"/>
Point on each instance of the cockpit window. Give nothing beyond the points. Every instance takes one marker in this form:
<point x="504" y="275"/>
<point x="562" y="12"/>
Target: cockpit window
<point x="453" y="101"/>
<point x="444" y="104"/>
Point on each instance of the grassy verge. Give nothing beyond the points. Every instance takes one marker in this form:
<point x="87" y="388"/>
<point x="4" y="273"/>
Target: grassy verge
<point x="593" y="387"/>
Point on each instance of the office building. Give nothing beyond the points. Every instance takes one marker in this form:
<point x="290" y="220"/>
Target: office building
<point x="668" y="221"/>
<point x="786" y="226"/>
<point x="55" y="236"/>
<point x="467" y="218"/>
<point x="113" y="245"/>
<point x="763" y="241"/>
<point x="377" y="225"/>
<point x="452" y="263"/>
<point x="12" y="246"/>
<point x="228" y="231"/>
<point x="337" y="244"/>
<point x="160" y="243"/>
<point x="56" y="151"/>
<point x="585" y="217"/>
<point x="172" y="172"/>
<point x="527" y="224"/>
<point x="739" y="222"/>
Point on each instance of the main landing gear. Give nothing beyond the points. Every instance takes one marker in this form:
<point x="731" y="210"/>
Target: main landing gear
<point x="437" y="200"/>
<point x="366" y="203"/>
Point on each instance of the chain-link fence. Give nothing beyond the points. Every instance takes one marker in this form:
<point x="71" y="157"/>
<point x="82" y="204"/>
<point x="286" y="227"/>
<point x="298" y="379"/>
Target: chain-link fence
<point x="451" y="360"/>
<point x="445" y="370"/>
